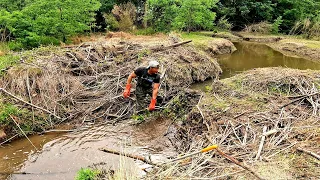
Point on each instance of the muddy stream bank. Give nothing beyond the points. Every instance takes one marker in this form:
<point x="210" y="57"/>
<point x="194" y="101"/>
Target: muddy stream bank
<point x="63" y="154"/>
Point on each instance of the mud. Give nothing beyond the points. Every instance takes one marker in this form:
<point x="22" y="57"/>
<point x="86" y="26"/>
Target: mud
<point x="297" y="49"/>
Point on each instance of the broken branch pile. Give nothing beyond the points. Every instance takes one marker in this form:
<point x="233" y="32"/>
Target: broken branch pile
<point x="250" y="122"/>
<point x="86" y="82"/>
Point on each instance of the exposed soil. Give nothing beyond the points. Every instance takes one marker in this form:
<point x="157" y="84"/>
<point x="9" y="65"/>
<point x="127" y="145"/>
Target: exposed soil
<point x="299" y="49"/>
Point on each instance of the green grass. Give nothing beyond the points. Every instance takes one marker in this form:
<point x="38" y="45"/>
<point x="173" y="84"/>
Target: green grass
<point x="7" y="61"/>
<point x="4" y="48"/>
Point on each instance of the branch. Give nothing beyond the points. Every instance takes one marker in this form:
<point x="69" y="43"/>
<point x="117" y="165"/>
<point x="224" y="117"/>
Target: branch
<point x="40" y="108"/>
<point x="309" y="152"/>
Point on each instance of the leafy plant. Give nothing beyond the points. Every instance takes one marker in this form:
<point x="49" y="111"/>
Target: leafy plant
<point x="224" y="24"/>
<point x="276" y="25"/>
<point x="87" y="174"/>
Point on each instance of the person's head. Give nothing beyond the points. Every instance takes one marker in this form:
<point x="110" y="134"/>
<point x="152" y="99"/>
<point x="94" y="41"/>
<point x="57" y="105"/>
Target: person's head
<point x="153" y="67"/>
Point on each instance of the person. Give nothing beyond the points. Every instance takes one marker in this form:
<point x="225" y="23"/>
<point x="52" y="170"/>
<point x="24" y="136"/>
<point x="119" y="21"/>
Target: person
<point x="148" y="82"/>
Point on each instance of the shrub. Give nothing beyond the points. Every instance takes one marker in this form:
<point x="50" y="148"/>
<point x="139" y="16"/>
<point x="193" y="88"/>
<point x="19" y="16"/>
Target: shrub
<point x="224" y="24"/>
<point x="111" y="22"/>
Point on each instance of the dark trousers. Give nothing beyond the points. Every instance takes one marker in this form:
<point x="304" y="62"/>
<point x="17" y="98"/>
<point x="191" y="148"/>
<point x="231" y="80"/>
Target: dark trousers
<point x="143" y="97"/>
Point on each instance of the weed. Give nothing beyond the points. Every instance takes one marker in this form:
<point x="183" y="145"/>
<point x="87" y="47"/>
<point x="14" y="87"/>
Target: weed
<point x="87" y="174"/>
<point x="138" y="117"/>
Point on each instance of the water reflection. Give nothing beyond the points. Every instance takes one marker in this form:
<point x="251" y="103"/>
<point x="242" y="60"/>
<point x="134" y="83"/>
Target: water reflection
<point x="254" y="55"/>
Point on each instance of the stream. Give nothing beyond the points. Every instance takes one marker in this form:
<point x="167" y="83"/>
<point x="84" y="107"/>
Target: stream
<point x="61" y="155"/>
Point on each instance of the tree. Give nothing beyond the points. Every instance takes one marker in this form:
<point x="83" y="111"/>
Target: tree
<point x="41" y="21"/>
<point x="195" y="15"/>
<point x="163" y="15"/>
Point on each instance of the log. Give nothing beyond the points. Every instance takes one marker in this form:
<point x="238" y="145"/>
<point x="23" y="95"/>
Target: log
<point x="141" y="158"/>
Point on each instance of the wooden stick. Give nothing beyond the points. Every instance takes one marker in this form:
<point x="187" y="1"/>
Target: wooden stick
<point x="309" y="152"/>
<point x="230" y="158"/>
<point x="9" y="139"/>
<point x="141" y="158"/>
<point x="23" y="132"/>
<point x="40" y="108"/>
<point x="238" y="163"/>
<point x="261" y="142"/>
<point x="304" y="96"/>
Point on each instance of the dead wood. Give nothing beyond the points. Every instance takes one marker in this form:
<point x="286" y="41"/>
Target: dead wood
<point x="141" y="158"/>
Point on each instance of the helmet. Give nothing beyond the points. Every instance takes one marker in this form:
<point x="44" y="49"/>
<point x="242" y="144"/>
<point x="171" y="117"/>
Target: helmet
<point x="153" y="64"/>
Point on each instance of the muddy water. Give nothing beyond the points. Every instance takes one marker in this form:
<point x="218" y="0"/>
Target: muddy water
<point x="250" y="55"/>
<point x="254" y="55"/>
<point x="62" y="157"/>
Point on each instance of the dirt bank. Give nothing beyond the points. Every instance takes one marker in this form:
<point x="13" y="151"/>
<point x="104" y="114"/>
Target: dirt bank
<point x="84" y="83"/>
<point x="205" y="41"/>
<point x="296" y="47"/>
<point x="233" y="114"/>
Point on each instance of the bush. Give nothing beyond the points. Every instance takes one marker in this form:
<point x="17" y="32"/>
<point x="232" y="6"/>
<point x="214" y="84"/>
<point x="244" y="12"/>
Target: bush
<point x="224" y="24"/>
<point x="111" y="22"/>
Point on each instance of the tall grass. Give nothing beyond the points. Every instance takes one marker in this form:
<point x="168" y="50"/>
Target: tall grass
<point x="308" y="28"/>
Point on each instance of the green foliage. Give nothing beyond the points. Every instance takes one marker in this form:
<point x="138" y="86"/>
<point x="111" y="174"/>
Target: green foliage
<point x="190" y="15"/>
<point x="224" y="24"/>
<point x="48" y="22"/>
<point x="161" y="13"/>
<point x="5" y="111"/>
<point x="87" y="174"/>
<point x="195" y="15"/>
<point x="276" y="25"/>
<point x="111" y="22"/>
<point x="243" y="12"/>
<point x="15" y="45"/>
<point x="138" y="117"/>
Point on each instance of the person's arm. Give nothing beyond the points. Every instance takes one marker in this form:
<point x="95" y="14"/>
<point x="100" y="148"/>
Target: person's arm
<point x="155" y="90"/>
<point x="126" y="92"/>
<point x="153" y="102"/>
<point x="131" y="76"/>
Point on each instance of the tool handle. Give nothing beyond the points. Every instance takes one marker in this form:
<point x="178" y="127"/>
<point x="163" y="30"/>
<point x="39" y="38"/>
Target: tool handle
<point x="209" y="148"/>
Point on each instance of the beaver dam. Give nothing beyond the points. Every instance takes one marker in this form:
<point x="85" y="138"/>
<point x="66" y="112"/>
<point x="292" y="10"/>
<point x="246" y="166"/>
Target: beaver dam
<point x="264" y="121"/>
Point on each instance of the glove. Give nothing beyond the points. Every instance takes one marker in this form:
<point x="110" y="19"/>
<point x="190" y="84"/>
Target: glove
<point x="152" y="104"/>
<point x="126" y="92"/>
